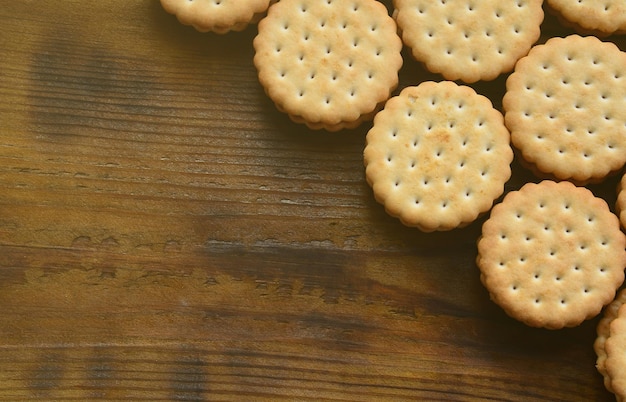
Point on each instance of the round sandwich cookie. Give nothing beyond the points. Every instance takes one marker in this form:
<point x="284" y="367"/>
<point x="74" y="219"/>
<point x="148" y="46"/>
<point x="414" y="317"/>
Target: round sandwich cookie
<point x="329" y="64"/>
<point x="564" y="106"/>
<point x="620" y="203"/>
<point x="552" y="254"/>
<point x="604" y="332"/>
<point x="219" y="16"/>
<point x="615" y="349"/>
<point x="469" y="40"/>
<point x="437" y="156"/>
<point x="597" y="17"/>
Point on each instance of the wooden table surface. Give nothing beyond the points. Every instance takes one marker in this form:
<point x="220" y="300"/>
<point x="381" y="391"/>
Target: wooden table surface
<point x="166" y="234"/>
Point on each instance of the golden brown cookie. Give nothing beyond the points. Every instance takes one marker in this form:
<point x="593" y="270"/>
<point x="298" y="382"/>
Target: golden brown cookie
<point x="219" y="16"/>
<point x="469" y="40"/>
<point x="330" y="64"/>
<point x="552" y="254"/>
<point x="437" y="156"/>
<point x="603" y="332"/>
<point x="601" y="17"/>
<point x="615" y="347"/>
<point x="620" y="204"/>
<point x="564" y="106"/>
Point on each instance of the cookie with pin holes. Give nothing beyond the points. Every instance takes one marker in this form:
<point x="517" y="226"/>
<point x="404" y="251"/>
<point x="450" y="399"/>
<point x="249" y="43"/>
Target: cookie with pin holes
<point x="329" y="64"/>
<point x="603" y="330"/>
<point x="219" y="16"/>
<point x="469" y="40"/>
<point x="551" y="254"/>
<point x="596" y="17"/>
<point x="437" y="156"/>
<point x="564" y="106"/>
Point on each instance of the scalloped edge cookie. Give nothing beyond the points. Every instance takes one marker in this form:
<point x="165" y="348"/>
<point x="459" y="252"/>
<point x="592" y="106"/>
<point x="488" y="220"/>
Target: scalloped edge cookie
<point x="564" y="107"/>
<point x="469" y="40"/>
<point x="328" y="64"/>
<point x="437" y="156"/>
<point x="218" y="16"/>
<point x="603" y="331"/>
<point x="600" y="18"/>
<point x="552" y="254"/>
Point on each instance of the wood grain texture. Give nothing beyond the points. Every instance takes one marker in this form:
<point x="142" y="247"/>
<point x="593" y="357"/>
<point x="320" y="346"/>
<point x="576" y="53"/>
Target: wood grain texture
<point x="166" y="234"/>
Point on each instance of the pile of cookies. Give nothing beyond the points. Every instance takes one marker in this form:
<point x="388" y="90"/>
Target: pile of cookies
<point x="438" y="154"/>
